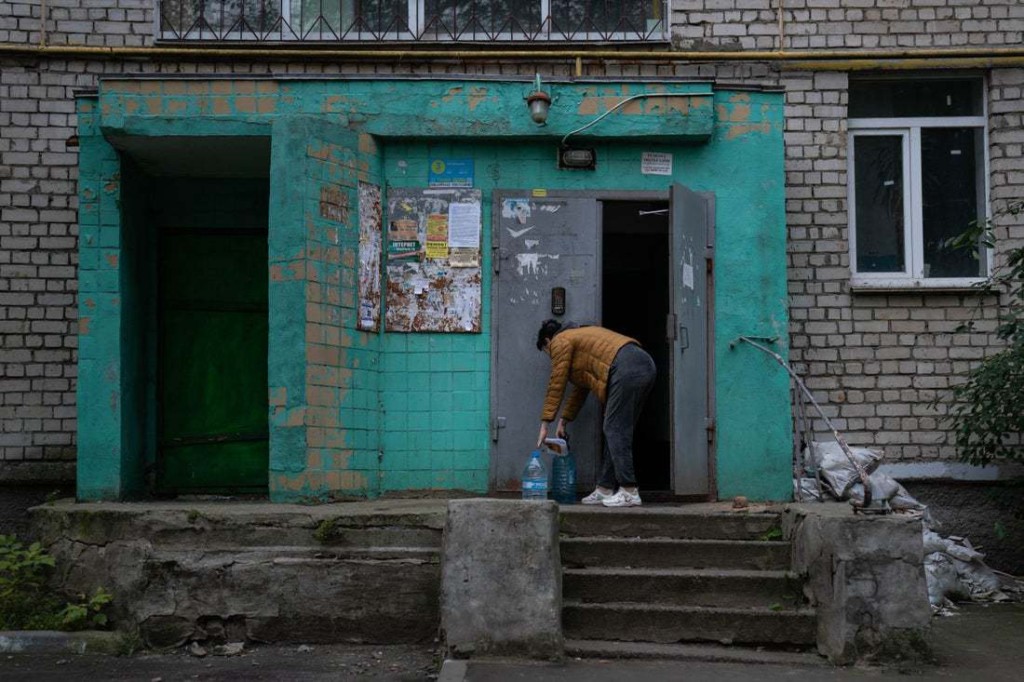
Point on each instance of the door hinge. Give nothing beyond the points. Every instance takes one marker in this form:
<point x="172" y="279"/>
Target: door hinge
<point x="709" y="257"/>
<point x="670" y="327"/>
<point x="709" y="427"/>
<point x="496" y="423"/>
<point x="496" y="259"/>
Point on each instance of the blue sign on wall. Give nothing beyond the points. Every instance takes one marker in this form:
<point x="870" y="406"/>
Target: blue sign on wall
<point x="451" y="173"/>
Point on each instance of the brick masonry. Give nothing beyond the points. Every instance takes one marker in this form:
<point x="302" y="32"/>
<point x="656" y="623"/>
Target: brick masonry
<point x="877" y="360"/>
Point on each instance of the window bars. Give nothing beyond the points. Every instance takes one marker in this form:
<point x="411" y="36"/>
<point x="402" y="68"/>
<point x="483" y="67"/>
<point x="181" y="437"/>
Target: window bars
<point x="327" y="21"/>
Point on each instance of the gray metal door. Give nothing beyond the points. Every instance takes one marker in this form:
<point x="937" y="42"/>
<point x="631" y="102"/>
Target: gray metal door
<point x="538" y="243"/>
<point x="691" y="230"/>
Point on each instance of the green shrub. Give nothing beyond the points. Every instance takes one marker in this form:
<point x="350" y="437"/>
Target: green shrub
<point x="987" y="410"/>
<point x="27" y="604"/>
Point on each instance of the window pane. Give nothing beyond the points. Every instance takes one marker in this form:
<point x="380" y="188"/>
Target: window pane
<point x="330" y="19"/>
<point x="924" y="97"/>
<point x="221" y="17"/>
<point x="572" y="17"/>
<point x="878" y="201"/>
<point x="482" y="18"/>
<point x="951" y="195"/>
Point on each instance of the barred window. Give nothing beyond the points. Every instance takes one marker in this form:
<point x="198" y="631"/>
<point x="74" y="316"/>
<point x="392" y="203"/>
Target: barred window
<point x="414" y="20"/>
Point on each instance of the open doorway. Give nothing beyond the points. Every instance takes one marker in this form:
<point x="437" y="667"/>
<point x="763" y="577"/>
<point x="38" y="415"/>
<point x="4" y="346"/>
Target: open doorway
<point x="635" y="301"/>
<point x="195" y="264"/>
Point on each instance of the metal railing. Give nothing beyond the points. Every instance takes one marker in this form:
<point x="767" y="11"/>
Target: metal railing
<point x="320" y="21"/>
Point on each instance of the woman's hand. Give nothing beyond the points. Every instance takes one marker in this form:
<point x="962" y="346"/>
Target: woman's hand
<point x="560" y="431"/>
<point x="543" y="433"/>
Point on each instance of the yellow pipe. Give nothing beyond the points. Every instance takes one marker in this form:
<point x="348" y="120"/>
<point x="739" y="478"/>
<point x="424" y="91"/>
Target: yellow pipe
<point x="905" y="64"/>
<point x="806" y="59"/>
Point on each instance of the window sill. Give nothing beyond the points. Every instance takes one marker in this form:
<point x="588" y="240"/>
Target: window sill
<point x="910" y="285"/>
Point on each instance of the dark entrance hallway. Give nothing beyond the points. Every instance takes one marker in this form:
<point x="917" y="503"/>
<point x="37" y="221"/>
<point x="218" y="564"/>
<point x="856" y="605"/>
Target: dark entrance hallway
<point x="635" y="302"/>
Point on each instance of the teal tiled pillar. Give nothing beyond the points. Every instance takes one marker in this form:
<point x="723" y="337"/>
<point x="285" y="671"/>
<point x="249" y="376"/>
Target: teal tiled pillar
<point x="107" y="470"/>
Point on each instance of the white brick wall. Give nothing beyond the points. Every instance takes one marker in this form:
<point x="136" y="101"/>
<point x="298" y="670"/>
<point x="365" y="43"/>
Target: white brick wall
<point x="877" y="360"/>
<point x="839" y="24"/>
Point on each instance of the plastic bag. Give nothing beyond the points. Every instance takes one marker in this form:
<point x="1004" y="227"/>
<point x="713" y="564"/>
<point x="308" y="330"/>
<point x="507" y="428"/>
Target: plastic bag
<point x="836" y="470"/>
<point x="942" y="579"/>
<point x="806" y="489"/>
<point x="883" y="489"/>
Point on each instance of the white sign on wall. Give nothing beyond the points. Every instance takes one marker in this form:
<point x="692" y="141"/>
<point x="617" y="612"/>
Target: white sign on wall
<point x="656" y="163"/>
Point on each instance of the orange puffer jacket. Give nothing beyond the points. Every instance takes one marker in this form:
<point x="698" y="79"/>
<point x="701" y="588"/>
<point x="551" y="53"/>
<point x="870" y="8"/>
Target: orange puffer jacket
<point x="582" y="355"/>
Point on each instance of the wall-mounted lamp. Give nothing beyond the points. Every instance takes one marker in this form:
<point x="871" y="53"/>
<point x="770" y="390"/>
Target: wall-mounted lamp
<point x="539" y="103"/>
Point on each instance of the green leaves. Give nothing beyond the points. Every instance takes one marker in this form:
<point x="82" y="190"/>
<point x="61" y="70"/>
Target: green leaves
<point x="987" y="410"/>
<point x="27" y="604"/>
<point x="87" y="612"/>
<point x="21" y="568"/>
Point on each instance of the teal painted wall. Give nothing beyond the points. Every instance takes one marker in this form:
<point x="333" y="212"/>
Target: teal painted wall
<point x="412" y="409"/>
<point x="106" y="462"/>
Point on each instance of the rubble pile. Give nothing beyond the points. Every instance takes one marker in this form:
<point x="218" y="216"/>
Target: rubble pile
<point x="954" y="569"/>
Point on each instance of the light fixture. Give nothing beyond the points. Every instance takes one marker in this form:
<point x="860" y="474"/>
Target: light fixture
<point x="576" y="158"/>
<point x="539" y="103"/>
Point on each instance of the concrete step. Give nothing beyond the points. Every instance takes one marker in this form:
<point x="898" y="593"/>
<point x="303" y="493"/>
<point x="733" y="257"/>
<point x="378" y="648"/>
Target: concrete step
<point x="710" y="653"/>
<point x="198" y="525"/>
<point x="672" y="624"/>
<point x="763" y="555"/>
<point x="668" y="522"/>
<point x="683" y="587"/>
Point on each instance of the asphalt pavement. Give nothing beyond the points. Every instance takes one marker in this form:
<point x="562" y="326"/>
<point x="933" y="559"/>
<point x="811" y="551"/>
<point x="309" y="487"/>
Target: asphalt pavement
<point x="983" y="643"/>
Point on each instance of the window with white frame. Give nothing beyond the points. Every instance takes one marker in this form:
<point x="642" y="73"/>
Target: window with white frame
<point x="917" y="177"/>
<point x="413" y="20"/>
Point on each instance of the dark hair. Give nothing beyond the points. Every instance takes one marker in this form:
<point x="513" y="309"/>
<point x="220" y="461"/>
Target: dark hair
<point x="548" y="329"/>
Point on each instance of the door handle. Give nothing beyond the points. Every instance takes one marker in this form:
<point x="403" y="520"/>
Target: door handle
<point x="684" y="338"/>
<point x="496" y="423"/>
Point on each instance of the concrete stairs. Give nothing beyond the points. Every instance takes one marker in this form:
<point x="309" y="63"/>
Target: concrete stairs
<point x="681" y="582"/>
<point x="182" y="571"/>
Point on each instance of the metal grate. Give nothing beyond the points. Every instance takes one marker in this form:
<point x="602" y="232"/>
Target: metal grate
<point x="413" y="20"/>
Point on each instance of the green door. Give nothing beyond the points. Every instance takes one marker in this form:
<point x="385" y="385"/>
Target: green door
<point x="212" y="392"/>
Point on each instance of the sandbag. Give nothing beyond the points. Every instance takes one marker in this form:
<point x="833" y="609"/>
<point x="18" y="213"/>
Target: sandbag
<point x="836" y="469"/>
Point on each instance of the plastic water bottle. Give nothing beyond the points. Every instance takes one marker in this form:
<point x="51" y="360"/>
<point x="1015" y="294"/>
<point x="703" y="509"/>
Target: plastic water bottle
<point x="563" y="471"/>
<point x="535" y="478"/>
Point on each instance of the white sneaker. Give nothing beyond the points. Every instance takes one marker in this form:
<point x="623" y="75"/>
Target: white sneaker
<point x="596" y="497"/>
<point x="623" y="498"/>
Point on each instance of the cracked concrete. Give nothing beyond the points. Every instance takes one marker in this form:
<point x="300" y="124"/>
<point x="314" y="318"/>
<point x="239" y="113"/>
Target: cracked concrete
<point x="206" y="571"/>
<point x="865" y="576"/>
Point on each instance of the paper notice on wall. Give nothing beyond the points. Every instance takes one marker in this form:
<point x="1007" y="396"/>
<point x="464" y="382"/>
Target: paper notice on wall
<point x="656" y="163"/>
<point x="437" y="250"/>
<point x="403" y="229"/>
<point x="464" y="258"/>
<point x="405" y="250"/>
<point x="687" y="275"/>
<point x="464" y="225"/>
<point x="437" y="227"/>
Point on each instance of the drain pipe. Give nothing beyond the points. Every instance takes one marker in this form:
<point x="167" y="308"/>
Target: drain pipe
<point x="42" y="22"/>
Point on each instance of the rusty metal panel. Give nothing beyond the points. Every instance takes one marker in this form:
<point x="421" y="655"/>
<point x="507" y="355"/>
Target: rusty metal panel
<point x="434" y="279"/>
<point x="370" y="238"/>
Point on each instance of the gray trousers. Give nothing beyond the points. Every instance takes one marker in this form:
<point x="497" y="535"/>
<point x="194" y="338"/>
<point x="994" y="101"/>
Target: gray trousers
<point x="630" y="380"/>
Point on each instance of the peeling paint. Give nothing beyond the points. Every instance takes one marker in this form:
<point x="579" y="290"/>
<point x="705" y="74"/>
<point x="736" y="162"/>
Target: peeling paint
<point x="532" y="263"/>
<point x="370" y="238"/>
<point x="735" y="131"/>
<point x="334" y="204"/>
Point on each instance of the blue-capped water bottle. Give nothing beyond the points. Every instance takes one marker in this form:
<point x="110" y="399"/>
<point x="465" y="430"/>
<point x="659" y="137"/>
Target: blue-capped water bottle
<point x="535" y="478"/>
<point x="563" y="471"/>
